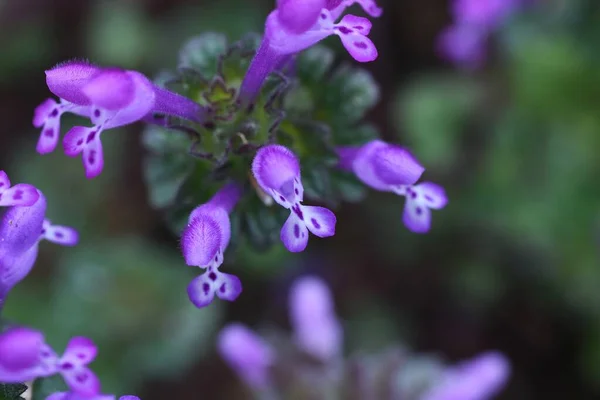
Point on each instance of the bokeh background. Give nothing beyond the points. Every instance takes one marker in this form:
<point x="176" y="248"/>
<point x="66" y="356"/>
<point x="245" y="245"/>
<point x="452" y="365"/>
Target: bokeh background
<point x="512" y="263"/>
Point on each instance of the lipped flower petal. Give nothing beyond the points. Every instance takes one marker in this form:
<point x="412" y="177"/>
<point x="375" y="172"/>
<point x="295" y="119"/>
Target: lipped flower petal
<point x="360" y="47"/>
<point x="21" y="226"/>
<point x="201" y="240"/>
<point x="21" y="194"/>
<point x="416" y="216"/>
<point x="144" y="101"/>
<point x="246" y="353"/>
<point x="298" y="16"/>
<point x="80" y="351"/>
<point x="319" y="220"/>
<point x="227" y="286"/>
<point x="81" y="380"/>
<point x="364" y="167"/>
<point x="67" y="80"/>
<point x="20" y="348"/>
<point x="294" y="234"/>
<point x="274" y="166"/>
<point x="63" y="235"/>
<point x="432" y="195"/>
<point x="111" y="89"/>
<point x="201" y="290"/>
<point x="394" y="165"/>
<point x="14" y="267"/>
<point x="86" y="140"/>
<point x="358" y="24"/>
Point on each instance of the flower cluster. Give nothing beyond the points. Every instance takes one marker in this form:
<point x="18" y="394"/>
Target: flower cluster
<point x="24" y="356"/>
<point x="318" y="333"/>
<point x="474" y="20"/>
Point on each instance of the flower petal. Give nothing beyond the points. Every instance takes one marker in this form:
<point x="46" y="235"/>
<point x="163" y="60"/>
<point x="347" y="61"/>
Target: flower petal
<point x="360" y="47"/>
<point x="358" y="24"/>
<point x="298" y="16"/>
<point x="228" y="287"/>
<point x="86" y="140"/>
<point x="43" y="111"/>
<point x="319" y="220"/>
<point x="111" y="89"/>
<point x="432" y="195"/>
<point x="21" y="227"/>
<point x="346" y="156"/>
<point x="21" y="194"/>
<point x="82" y="381"/>
<point x="80" y="351"/>
<point x="142" y="103"/>
<point x="371" y="8"/>
<point x="363" y="165"/>
<point x="395" y="165"/>
<point x="201" y="240"/>
<point x="14" y="267"/>
<point x="416" y="216"/>
<point x="294" y="234"/>
<point x="67" y="80"/>
<point x="246" y="353"/>
<point x="200" y="291"/>
<point x="273" y="166"/>
<point x="4" y="181"/>
<point x="20" y="348"/>
<point x="63" y="235"/>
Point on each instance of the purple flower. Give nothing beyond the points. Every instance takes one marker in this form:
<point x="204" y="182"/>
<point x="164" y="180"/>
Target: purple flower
<point x="277" y="171"/>
<point x="21" y="229"/>
<point x="391" y="168"/>
<point x="477" y="379"/>
<point x="203" y="243"/>
<point x="246" y="353"/>
<point x="296" y="25"/>
<point x="21" y="194"/>
<point x="75" y="396"/>
<point x="316" y="328"/>
<point x="39" y="360"/>
<point x="110" y="98"/>
<point x="474" y="20"/>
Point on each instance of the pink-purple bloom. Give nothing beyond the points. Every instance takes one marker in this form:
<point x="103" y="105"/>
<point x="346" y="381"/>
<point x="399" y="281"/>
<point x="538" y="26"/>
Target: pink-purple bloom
<point x="110" y="98"/>
<point x="247" y="354"/>
<point x="22" y="227"/>
<point x="25" y="356"/>
<point x="296" y="25"/>
<point x="203" y="243"/>
<point x="474" y="20"/>
<point x="277" y="171"/>
<point x="478" y="379"/>
<point x="317" y="330"/>
<point x="76" y="396"/>
<point x="391" y="168"/>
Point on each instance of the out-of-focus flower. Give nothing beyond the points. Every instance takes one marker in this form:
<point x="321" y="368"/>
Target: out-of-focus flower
<point x="203" y="243"/>
<point x="296" y="25"/>
<point x="391" y="168"/>
<point x="277" y="171"/>
<point x="25" y="356"/>
<point x="316" y="328"/>
<point x="246" y="353"/>
<point x="75" y="396"/>
<point x="22" y="227"/>
<point x="110" y="97"/>
<point x="478" y="379"/>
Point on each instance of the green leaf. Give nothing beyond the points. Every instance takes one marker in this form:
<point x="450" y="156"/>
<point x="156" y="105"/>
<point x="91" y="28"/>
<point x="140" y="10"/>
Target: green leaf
<point x="12" y="391"/>
<point x="202" y="53"/>
<point x="44" y="387"/>
<point x="313" y="64"/>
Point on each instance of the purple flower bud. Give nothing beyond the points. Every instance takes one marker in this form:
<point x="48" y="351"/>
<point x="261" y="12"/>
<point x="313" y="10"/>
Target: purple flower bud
<point x="110" y="98"/>
<point x="203" y="243"/>
<point x="477" y="379"/>
<point x="299" y="24"/>
<point x="390" y="168"/>
<point x="277" y="171"/>
<point x="21" y="229"/>
<point x="246" y="353"/>
<point x="20" y="348"/>
<point x="317" y="330"/>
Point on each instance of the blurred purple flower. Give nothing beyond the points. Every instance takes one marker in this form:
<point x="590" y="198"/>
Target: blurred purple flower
<point x="391" y="168"/>
<point x="21" y="229"/>
<point x="75" y="396"/>
<point x="277" y="171"/>
<point x="296" y="25"/>
<point x="203" y="243"/>
<point x="478" y="379"/>
<point x="25" y="356"/>
<point x="246" y="353"/>
<point x="316" y="328"/>
<point x="110" y="97"/>
<point x="474" y="20"/>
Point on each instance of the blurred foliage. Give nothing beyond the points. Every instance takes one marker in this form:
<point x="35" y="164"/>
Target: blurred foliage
<point x="12" y="392"/>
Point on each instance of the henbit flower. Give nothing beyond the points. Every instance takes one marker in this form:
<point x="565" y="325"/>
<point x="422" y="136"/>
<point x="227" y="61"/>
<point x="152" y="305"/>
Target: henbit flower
<point x="21" y="230"/>
<point x="111" y="98"/>
<point x="21" y="194"/>
<point x="316" y="328"/>
<point x="75" y="396"/>
<point x="478" y="379"/>
<point x="277" y="171"/>
<point x="337" y="7"/>
<point x="247" y="354"/>
<point x="203" y="243"/>
<point x="391" y="168"/>
<point x="41" y="361"/>
<point x="296" y="25"/>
